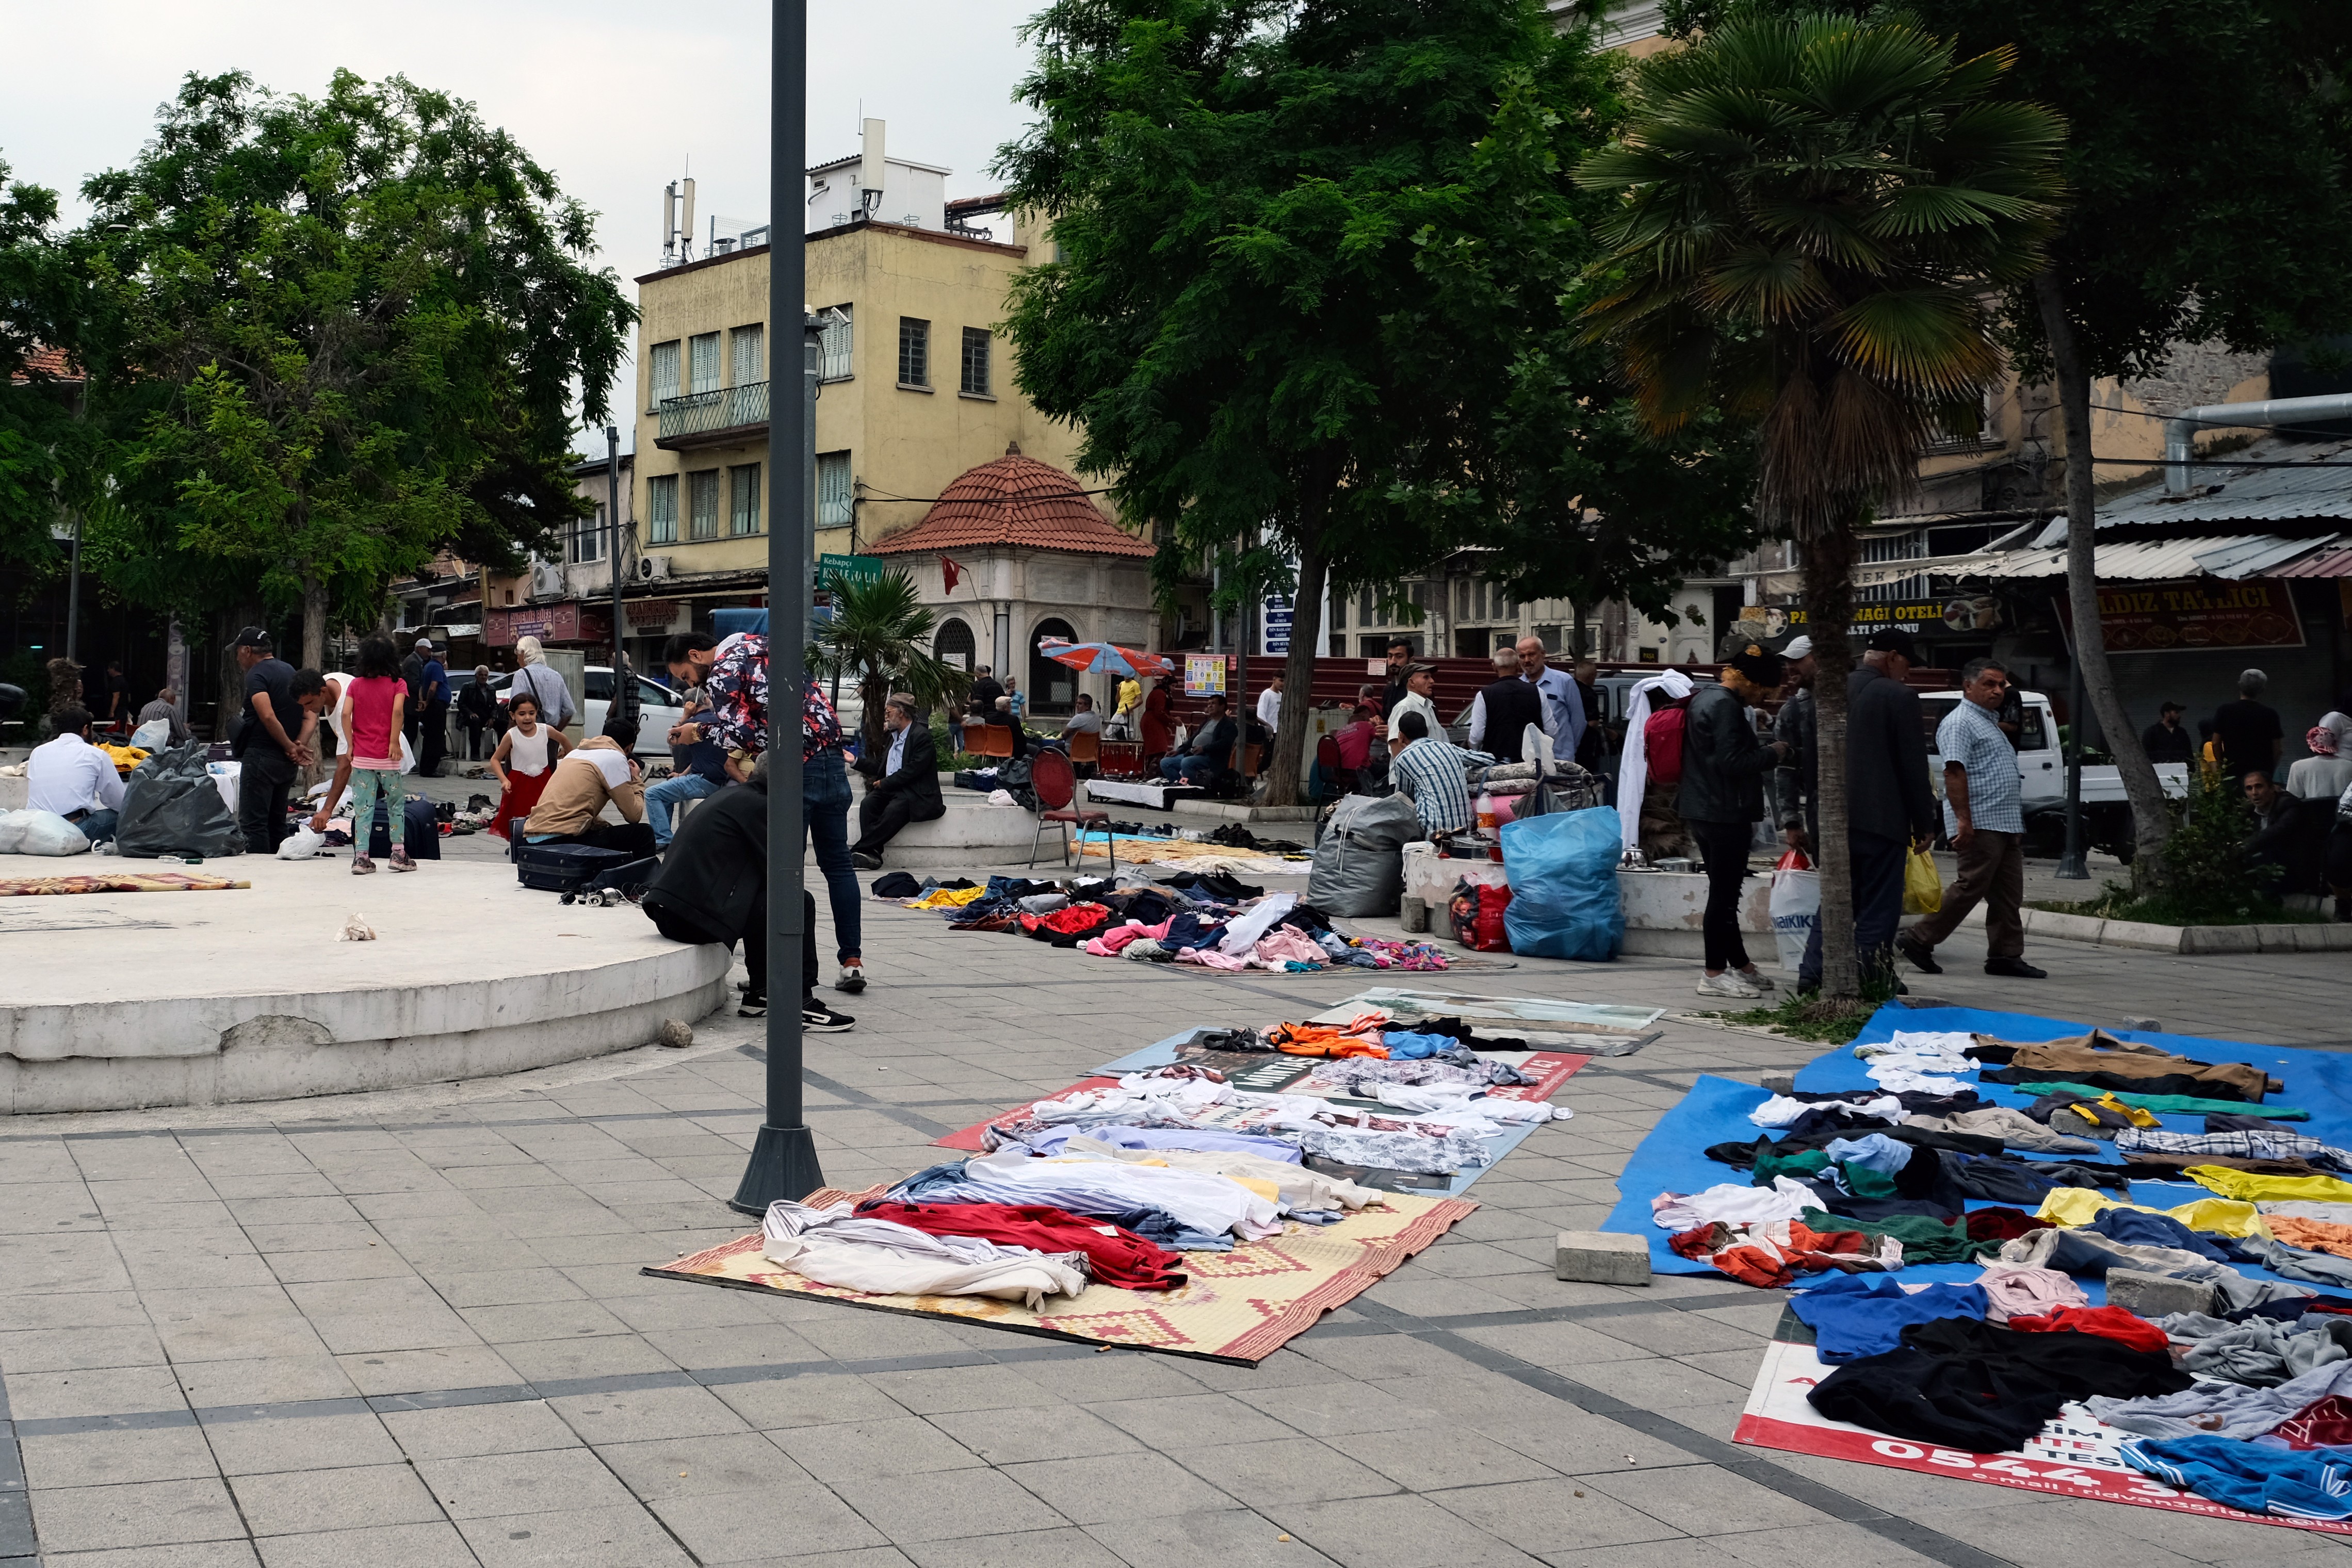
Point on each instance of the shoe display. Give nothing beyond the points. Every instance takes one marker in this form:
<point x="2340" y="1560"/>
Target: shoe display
<point x="2015" y="968"/>
<point x="1922" y="957"/>
<point x="818" y="1019"/>
<point x="853" y="978"/>
<point x="752" y="1007"/>
<point x="1727" y="984"/>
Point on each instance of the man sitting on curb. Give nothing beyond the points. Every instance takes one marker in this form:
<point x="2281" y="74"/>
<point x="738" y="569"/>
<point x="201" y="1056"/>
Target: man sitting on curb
<point x="1211" y="752"/>
<point x="903" y="783"/>
<point x="73" y="779"/>
<point x="595" y="772"/>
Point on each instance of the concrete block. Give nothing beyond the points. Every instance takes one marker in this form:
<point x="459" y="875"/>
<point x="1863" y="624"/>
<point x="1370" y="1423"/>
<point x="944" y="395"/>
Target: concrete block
<point x="2153" y="1296"/>
<point x="1413" y="913"/>
<point x="1780" y="1083"/>
<point x="1603" y="1258"/>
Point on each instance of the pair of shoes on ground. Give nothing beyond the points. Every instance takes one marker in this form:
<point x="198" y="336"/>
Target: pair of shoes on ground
<point x="361" y="865"/>
<point x="815" y="1017"/>
<point x="1745" y="985"/>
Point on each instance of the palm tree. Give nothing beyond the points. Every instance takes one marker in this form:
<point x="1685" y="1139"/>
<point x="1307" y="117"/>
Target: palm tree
<point x="880" y="638"/>
<point x="1817" y="213"/>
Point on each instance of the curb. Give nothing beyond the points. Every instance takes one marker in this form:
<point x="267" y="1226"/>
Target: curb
<point x="2143" y="936"/>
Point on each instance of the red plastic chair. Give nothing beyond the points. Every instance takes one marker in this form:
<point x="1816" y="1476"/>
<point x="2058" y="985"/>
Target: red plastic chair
<point x="1057" y="784"/>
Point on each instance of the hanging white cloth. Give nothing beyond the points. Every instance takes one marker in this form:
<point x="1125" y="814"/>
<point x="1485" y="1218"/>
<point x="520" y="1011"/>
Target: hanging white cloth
<point x="1633" y="767"/>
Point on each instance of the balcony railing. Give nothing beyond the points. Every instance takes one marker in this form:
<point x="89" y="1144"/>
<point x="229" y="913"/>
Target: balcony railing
<point x="692" y="420"/>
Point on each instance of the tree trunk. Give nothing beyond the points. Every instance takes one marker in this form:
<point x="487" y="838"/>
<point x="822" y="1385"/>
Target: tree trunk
<point x="314" y="623"/>
<point x="1829" y="606"/>
<point x="1288" y="765"/>
<point x="2151" y="815"/>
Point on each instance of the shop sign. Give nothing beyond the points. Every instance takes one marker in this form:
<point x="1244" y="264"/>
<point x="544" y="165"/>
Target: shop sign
<point x="569" y="621"/>
<point x="652" y="612"/>
<point x="2193" y="616"/>
<point x="1971" y="613"/>
<point x="1204" y="674"/>
<point x="862" y="569"/>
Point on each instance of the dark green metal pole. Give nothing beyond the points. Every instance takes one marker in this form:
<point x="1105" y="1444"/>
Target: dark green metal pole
<point x="783" y="1159"/>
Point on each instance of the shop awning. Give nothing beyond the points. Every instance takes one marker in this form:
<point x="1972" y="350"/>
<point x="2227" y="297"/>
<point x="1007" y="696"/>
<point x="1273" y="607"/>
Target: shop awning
<point x="2230" y="557"/>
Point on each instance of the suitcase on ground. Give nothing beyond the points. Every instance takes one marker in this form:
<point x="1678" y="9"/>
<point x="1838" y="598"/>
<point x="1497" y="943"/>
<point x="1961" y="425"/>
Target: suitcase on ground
<point x="570" y="868"/>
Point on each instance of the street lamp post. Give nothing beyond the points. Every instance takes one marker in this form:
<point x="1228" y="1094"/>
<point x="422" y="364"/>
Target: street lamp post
<point x="625" y="685"/>
<point x="783" y="1161"/>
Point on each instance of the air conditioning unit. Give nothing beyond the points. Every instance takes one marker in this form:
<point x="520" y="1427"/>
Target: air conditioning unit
<point x="652" y="568"/>
<point x="546" y="580"/>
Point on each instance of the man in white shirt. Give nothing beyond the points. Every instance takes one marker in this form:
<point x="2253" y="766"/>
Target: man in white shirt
<point x="1269" y="705"/>
<point x="1085" y="720"/>
<point x="75" y="779"/>
<point x="1420" y="692"/>
<point x="1563" y="704"/>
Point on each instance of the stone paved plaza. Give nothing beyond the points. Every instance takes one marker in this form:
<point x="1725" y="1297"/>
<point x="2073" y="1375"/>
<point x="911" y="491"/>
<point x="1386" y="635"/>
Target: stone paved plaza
<point x="409" y="1328"/>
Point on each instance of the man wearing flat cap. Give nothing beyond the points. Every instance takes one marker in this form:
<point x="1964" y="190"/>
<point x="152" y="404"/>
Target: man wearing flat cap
<point x="1889" y="807"/>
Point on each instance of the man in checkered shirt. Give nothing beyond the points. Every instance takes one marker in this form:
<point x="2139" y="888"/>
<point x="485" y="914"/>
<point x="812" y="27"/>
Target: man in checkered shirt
<point x="1984" y="816"/>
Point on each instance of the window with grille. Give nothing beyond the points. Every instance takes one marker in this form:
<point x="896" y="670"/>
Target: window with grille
<point x="834" y="502"/>
<point x="975" y="360"/>
<point x="914" y="352"/>
<point x="702" y="362"/>
<point x="743" y="514"/>
<point x="749" y="344"/>
<point x="661" y="506"/>
<point x="702" y="505"/>
<point x="837" y="343"/>
<point x="665" y="372"/>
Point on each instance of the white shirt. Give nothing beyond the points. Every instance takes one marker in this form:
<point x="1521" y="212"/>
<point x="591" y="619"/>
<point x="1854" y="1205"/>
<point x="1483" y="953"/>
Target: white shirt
<point x="1414" y="702"/>
<point x="1269" y="708"/>
<point x="898" y="752"/>
<point x="68" y="774"/>
<point x="1563" y="711"/>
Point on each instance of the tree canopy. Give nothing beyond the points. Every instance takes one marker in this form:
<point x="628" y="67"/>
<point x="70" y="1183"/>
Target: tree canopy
<point x="42" y="449"/>
<point x="330" y="336"/>
<point x="1314" y="299"/>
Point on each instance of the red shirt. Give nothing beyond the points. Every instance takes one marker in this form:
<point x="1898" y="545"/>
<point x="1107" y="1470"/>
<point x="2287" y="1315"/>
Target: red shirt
<point x="1114" y="1256"/>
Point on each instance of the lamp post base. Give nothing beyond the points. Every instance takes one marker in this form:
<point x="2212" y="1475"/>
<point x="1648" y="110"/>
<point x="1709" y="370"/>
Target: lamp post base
<point x="783" y="1164"/>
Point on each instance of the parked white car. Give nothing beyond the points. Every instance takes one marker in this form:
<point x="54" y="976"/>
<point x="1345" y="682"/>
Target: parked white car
<point x="658" y="708"/>
<point x="2106" y="813"/>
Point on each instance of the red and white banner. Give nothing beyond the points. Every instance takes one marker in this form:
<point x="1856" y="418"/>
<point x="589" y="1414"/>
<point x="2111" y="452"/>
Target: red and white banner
<point x="2074" y="1456"/>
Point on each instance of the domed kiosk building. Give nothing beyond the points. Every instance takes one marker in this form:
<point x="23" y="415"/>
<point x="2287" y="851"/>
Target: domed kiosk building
<point x="1014" y="552"/>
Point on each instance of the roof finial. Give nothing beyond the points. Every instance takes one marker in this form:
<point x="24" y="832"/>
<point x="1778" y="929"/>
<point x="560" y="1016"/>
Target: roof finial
<point x="1013" y="449"/>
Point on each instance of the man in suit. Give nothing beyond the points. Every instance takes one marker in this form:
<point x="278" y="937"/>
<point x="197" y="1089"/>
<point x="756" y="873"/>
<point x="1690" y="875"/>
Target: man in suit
<point x="1890" y="810"/>
<point x="903" y="784"/>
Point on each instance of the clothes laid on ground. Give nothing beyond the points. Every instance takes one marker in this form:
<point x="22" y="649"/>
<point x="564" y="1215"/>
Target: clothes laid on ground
<point x="2253" y="1187"/>
<point x="2101" y="1052"/>
<point x="2249" y="1477"/>
<point x="1676" y="1212"/>
<point x="1197" y="1138"/>
<point x="1924" y="1239"/>
<point x="2324" y="1424"/>
<point x="2075" y="1206"/>
<point x="1772" y="1254"/>
<point x="1113" y="1256"/>
<point x="2013" y="1127"/>
<point x="1293" y="1184"/>
<point x="2162" y="1104"/>
<point x="1852" y="1317"/>
<point x="2108" y="1323"/>
<point x="2262" y="1353"/>
<point x="2233" y="1410"/>
<point x="2029" y="1292"/>
<point x="1979" y="1387"/>
<point x="833" y="1247"/>
<point x="1209" y="1205"/>
<point x="2266" y="1143"/>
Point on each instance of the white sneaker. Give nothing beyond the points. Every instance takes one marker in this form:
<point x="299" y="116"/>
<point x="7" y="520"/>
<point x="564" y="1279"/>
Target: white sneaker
<point x="853" y="978"/>
<point x="1730" y="983"/>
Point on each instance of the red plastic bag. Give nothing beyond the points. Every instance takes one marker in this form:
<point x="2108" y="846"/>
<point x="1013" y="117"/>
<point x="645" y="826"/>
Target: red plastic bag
<point x="1792" y="859"/>
<point x="1475" y="913"/>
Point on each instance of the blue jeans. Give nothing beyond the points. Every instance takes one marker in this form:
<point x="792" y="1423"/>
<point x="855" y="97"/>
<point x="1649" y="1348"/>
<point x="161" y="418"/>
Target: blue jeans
<point x="99" y="826"/>
<point x="1191" y="768"/>
<point x="665" y="795"/>
<point x="825" y="807"/>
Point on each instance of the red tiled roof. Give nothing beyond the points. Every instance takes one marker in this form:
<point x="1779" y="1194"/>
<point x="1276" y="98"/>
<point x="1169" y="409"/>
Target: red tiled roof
<point x="1015" y="500"/>
<point x="47" y="361"/>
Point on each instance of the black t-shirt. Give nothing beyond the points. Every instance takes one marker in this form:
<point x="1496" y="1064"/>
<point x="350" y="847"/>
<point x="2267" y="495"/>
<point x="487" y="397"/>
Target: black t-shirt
<point x="2245" y="729"/>
<point x="275" y="676"/>
<point x="2167" y="745"/>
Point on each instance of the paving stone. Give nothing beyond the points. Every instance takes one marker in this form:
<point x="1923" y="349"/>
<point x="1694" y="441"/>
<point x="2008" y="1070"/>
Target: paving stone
<point x="1118" y="1485"/>
<point x="1289" y="1469"/>
<point x="1228" y="1538"/>
<point x="150" y="1513"/>
<point x="1553" y="1515"/>
<point x="436" y="1545"/>
<point x="461" y="1431"/>
<point x="608" y="1537"/>
<point x="1397" y="1532"/>
<point x="488" y="1485"/>
<point x="111" y="1456"/>
<point x="951" y="1504"/>
<point x="906" y="1445"/>
<point x="297" y="1502"/>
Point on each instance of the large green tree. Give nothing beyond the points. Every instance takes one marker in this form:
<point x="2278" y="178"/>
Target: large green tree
<point x="1314" y="302"/>
<point x="2207" y="198"/>
<point x="43" y="450"/>
<point x="331" y="337"/>
<point x="1815" y="213"/>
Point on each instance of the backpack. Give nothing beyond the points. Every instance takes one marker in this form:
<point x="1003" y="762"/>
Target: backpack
<point x="1661" y="742"/>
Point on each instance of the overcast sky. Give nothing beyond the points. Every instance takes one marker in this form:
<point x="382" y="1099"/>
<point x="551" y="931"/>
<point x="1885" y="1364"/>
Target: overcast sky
<point x="618" y="100"/>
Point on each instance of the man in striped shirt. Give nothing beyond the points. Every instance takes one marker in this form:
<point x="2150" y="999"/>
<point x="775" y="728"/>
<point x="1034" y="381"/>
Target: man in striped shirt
<point x="1429" y="772"/>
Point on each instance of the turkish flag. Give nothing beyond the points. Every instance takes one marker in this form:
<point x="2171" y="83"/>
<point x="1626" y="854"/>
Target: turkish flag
<point x="950" y="571"/>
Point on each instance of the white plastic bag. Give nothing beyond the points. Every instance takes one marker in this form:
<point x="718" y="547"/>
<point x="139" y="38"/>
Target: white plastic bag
<point x="152" y="736"/>
<point x="301" y="845"/>
<point x="46" y="833"/>
<point x="1796" y="909"/>
<point x="11" y="830"/>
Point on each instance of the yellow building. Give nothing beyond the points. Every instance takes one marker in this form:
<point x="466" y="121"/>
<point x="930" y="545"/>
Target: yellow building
<point x="918" y="385"/>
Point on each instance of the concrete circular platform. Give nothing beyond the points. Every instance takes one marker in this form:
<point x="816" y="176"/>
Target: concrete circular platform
<point x="116" y="1001"/>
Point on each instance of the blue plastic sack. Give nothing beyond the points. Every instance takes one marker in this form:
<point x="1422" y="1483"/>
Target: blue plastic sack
<point x="1562" y="868"/>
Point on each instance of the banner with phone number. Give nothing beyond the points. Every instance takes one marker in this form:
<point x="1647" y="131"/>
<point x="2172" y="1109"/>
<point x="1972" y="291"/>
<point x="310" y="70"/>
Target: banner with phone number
<point x="2074" y="1456"/>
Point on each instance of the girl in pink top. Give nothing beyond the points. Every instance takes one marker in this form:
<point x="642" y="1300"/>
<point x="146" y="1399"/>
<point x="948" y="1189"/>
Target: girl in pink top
<point x="374" y="704"/>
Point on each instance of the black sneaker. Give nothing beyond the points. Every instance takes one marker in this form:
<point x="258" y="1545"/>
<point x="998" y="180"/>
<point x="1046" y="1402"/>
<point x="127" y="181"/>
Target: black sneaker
<point x="753" y="1007"/>
<point x="818" y="1019"/>
<point x="2015" y="968"/>
<point x="1922" y="957"/>
<point x="864" y="861"/>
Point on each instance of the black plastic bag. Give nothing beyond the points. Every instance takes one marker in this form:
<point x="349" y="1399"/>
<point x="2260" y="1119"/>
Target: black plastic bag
<point x="172" y="807"/>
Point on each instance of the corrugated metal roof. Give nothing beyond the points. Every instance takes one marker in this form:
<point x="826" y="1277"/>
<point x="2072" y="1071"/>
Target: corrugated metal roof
<point x="2238" y="498"/>
<point x="2326" y="563"/>
<point x="2152" y="560"/>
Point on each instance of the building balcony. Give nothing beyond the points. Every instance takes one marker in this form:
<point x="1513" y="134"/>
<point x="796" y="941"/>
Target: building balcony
<point x="727" y="417"/>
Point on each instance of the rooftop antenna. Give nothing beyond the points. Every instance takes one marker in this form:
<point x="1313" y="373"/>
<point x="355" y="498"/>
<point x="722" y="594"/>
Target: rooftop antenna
<point x="686" y="221"/>
<point x="870" y="168"/>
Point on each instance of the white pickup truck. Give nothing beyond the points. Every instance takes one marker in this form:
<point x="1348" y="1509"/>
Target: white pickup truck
<point x="2107" y="815"/>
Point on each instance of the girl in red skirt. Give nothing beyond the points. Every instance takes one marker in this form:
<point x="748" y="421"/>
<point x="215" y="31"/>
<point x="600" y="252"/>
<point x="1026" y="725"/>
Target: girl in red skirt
<point x="524" y="761"/>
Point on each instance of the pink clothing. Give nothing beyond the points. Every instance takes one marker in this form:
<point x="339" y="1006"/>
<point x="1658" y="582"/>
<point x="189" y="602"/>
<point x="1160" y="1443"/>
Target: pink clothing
<point x="374" y="742"/>
<point x="1111" y="943"/>
<point x="1210" y="958"/>
<point x="1285" y="946"/>
<point x="2027" y="1292"/>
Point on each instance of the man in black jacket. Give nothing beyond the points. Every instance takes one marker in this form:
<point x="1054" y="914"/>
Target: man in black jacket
<point x="1720" y="800"/>
<point x="713" y="887"/>
<point x="1794" y="786"/>
<point x="902" y="784"/>
<point x="1889" y="808"/>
